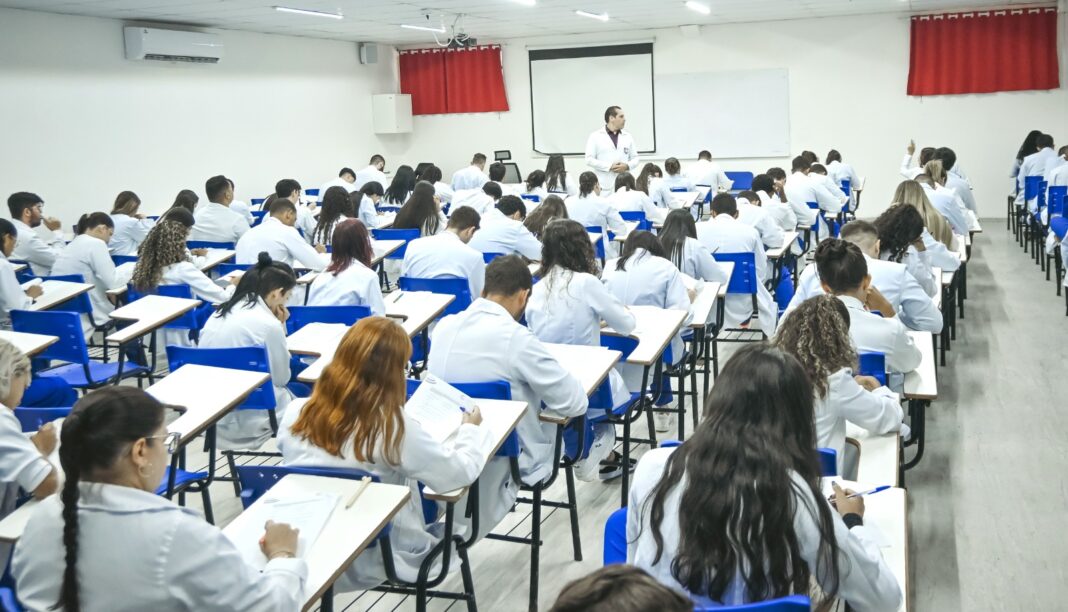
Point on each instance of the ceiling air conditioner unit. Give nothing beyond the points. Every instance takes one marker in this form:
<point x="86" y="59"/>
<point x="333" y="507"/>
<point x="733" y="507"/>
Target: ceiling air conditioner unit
<point x="172" y="45"/>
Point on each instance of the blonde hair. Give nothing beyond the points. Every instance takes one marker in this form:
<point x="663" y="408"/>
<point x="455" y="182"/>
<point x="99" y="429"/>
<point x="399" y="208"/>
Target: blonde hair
<point x="935" y="170"/>
<point x="911" y="193"/>
<point x="12" y="364"/>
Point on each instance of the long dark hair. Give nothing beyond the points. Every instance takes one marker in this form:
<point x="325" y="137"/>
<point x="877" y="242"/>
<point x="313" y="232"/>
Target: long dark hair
<point x="566" y="244"/>
<point x="535" y="179"/>
<point x="587" y="183"/>
<point x="678" y="226"/>
<point x="351" y="241"/>
<point x="98" y="429"/>
<point x="402" y="185"/>
<point x="420" y="211"/>
<point x="648" y="171"/>
<point x="555" y="174"/>
<point x="899" y="226"/>
<point x="259" y="280"/>
<point x="90" y="220"/>
<point x="335" y="204"/>
<point x="640" y="239"/>
<point x="739" y="495"/>
<point x="187" y="199"/>
<point x="126" y="203"/>
<point x="552" y="208"/>
<point x="1029" y="146"/>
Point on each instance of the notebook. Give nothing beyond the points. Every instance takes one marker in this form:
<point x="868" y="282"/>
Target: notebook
<point x="439" y="407"/>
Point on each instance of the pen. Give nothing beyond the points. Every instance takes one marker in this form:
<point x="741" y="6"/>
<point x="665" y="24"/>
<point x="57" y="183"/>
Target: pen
<point x="363" y="486"/>
<point x="868" y="492"/>
<point x="400" y="294"/>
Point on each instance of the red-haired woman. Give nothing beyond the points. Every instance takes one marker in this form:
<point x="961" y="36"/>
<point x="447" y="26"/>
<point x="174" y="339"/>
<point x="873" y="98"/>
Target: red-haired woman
<point x="349" y="279"/>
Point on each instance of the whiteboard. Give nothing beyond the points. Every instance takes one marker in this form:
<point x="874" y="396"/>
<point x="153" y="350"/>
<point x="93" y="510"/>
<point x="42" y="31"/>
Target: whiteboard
<point x="571" y="88"/>
<point x="730" y="114"/>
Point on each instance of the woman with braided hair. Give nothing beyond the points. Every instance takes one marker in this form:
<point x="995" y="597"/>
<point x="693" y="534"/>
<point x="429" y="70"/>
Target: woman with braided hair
<point x="121" y="546"/>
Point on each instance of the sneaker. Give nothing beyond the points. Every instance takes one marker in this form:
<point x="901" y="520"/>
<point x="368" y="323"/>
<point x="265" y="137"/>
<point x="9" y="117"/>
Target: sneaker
<point x="663" y="421"/>
<point x="603" y="441"/>
<point x="614" y="469"/>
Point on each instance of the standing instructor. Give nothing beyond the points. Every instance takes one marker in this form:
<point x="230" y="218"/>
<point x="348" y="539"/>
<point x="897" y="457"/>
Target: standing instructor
<point x="610" y="151"/>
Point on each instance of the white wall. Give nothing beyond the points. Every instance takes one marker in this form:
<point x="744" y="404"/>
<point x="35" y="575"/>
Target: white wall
<point x="82" y="123"/>
<point x="847" y="91"/>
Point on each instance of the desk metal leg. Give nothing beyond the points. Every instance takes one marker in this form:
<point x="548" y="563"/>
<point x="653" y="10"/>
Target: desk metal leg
<point x="326" y="604"/>
<point x="646" y="404"/>
<point x="918" y="416"/>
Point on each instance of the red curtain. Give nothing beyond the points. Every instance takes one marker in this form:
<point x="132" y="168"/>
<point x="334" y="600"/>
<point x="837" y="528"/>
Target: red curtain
<point x="454" y="80"/>
<point x="983" y="52"/>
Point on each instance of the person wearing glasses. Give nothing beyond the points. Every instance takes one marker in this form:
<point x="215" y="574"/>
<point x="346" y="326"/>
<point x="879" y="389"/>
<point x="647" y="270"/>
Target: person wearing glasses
<point x="108" y="522"/>
<point x="26" y="213"/>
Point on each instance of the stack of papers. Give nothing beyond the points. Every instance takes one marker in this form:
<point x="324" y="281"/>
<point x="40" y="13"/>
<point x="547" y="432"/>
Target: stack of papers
<point x="439" y="407"/>
<point x="308" y="513"/>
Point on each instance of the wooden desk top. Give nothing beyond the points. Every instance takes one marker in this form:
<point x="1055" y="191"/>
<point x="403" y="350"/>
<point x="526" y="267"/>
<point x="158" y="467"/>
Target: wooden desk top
<point x="28" y="344"/>
<point x="215" y="257"/>
<point x="57" y="292"/>
<point x="416" y="309"/>
<point x="381" y="249"/>
<point x="788" y="241"/>
<point x="207" y="393"/>
<point x="150" y="313"/>
<point x="589" y="364"/>
<point x="656" y="327"/>
<point x="879" y="456"/>
<point x="922" y="383"/>
<point x="704" y="306"/>
<point x="631" y="226"/>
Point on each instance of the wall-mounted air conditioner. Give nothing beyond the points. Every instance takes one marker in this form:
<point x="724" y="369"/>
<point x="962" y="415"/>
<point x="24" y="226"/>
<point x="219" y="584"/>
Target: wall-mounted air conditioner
<point x="172" y="45"/>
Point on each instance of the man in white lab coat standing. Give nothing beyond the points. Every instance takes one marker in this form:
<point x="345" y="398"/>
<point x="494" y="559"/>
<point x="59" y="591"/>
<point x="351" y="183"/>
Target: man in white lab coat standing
<point x="611" y="150"/>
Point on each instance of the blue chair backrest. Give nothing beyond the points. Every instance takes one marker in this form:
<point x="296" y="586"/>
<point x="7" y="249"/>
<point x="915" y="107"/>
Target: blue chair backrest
<point x="744" y="277"/>
<point x="847" y="185"/>
<point x="407" y="235"/>
<point x="678" y="190"/>
<point x="81" y="303"/>
<point x="1058" y="195"/>
<point x="598" y="247"/>
<point x="299" y="316"/>
<point x="637" y="215"/>
<point x="118" y="260"/>
<point x="615" y="538"/>
<point x="742" y="180"/>
<point x="1031" y="187"/>
<point x="784" y="291"/>
<point x="874" y="365"/>
<point x="1059" y="226"/>
<point x="258" y="216"/>
<point x="186" y="321"/>
<point x="828" y="461"/>
<point x="249" y="358"/>
<point x="64" y="324"/>
<point x="26" y="274"/>
<point x="488" y="257"/>
<point x="8" y="602"/>
<point x="532" y="197"/>
<point x="791" y="603"/>
<point x="208" y="244"/>
<point x="257" y="201"/>
<point x="819" y="214"/>
<point x="458" y="287"/>
<point x="496" y="390"/>
<point x="225" y="268"/>
<point x="602" y="396"/>
<point x="32" y="419"/>
<point x="258" y="479"/>
<point x="311" y="193"/>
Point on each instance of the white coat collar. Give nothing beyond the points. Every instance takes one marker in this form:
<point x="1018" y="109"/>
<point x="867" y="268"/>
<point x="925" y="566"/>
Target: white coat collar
<point x="490" y="307"/>
<point x="724" y="218"/>
<point x="20" y="225"/>
<point x="117" y="499"/>
<point x="852" y="303"/>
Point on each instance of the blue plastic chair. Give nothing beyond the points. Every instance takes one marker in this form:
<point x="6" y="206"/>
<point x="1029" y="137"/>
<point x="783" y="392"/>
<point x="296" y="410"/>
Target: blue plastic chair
<point x="79" y="371"/>
<point x="615" y="538"/>
<point x="407" y="235"/>
<point x="312" y="193"/>
<point x="32" y="419"/>
<point x="639" y="216"/>
<point x="457" y="287"/>
<point x="1059" y="226"/>
<point x="1058" y="195"/>
<point x="847" y="186"/>
<point x="192" y="321"/>
<point x="118" y="260"/>
<point x="207" y="244"/>
<point x="742" y="180"/>
<point x="828" y="461"/>
<point x="8" y="603"/>
<point x="255" y="480"/>
<point x="299" y="316"/>
<point x="488" y="257"/>
<point x="225" y="268"/>
<point x="874" y="365"/>
<point x="790" y="603"/>
<point x="598" y="247"/>
<point x="784" y="291"/>
<point x="744" y="277"/>
<point x="531" y="197"/>
<point x="26" y="274"/>
<point x="1031" y="187"/>
<point x="257" y="201"/>
<point x="258" y="217"/>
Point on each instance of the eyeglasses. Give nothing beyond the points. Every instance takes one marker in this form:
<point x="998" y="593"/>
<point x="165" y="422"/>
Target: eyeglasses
<point x="170" y="440"/>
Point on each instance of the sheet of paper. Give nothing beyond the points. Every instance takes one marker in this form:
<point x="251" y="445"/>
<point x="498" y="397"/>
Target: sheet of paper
<point x="308" y="513"/>
<point x="439" y="407"/>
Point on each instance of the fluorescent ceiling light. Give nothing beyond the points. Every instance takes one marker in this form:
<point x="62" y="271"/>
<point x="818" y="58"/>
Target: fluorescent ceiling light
<point x="597" y="16"/>
<point x="423" y="28"/>
<point x="700" y="8"/>
<point x="297" y="11"/>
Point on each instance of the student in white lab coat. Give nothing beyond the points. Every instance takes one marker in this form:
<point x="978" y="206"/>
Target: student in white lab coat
<point x="131" y="226"/>
<point x="903" y="291"/>
<point x="373" y="172"/>
<point x="935" y="223"/>
<point x="215" y="222"/>
<point x="187" y="199"/>
<point x="781" y="212"/>
<point x="841" y="171"/>
<point x="480" y="200"/>
<point x="681" y="247"/>
<point x="501" y="230"/>
<point x="88" y="256"/>
<point x="611" y="150"/>
<point x="444" y="191"/>
<point x="627" y="198"/>
<point x="1034" y="165"/>
<point x="713" y="521"/>
<point x="12" y="295"/>
<point x="497" y="172"/>
<point x="907" y="169"/>
<point x="706" y="172"/>
<point x="355" y="419"/>
<point x="365" y="204"/>
<point x="277" y="237"/>
<point x="335" y="206"/>
<point x="109" y="523"/>
<point x="674" y="178"/>
<point x="26" y="214"/>
<point x="535" y="185"/>
<point x="817" y="335"/>
<point x="800" y="190"/>
<point x="905" y="238"/>
<point x="448" y="254"/>
<point x="954" y="180"/>
<point x="239" y="207"/>
<point x="557" y="178"/>
<point x="1058" y="176"/>
<point x="422" y="211"/>
<point x="485" y="343"/>
<point x="255" y="316"/>
<point x="349" y="279"/>
<point x="723" y="233"/>
<point x="548" y="211"/>
<point x="567" y="306"/>
<point x="590" y="209"/>
<point x="945" y="200"/>
<point x="401" y="187"/>
<point x="819" y="173"/>
<point x="752" y="213"/>
<point x="346" y="179"/>
<point x="289" y="189"/>
<point x="473" y="176"/>
<point x="1028" y="147"/>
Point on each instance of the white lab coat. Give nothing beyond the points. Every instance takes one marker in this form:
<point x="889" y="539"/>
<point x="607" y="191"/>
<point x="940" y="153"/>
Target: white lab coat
<point x="706" y="172"/>
<point x="306" y="221"/>
<point x="244" y="210"/>
<point x="781" y="212"/>
<point x="770" y="233"/>
<point x="444" y="192"/>
<point x="500" y="234"/>
<point x="203" y="288"/>
<point x="803" y="188"/>
<point x="567" y="307"/>
<point x="1052" y="164"/>
<point x="368" y="213"/>
<point x="877" y="411"/>
<point x="637" y="201"/>
<point x="1033" y="165"/>
<point x="214" y="222"/>
<point x="913" y="306"/>
<point x="357" y="285"/>
<point x="282" y="242"/>
<point x="908" y="170"/>
<point x="799" y="192"/>
<point x="168" y="558"/>
<point x="569" y="188"/>
<point x="963" y="191"/>
<point x="601" y="154"/>
<point x="936" y="254"/>
<point x="445" y="256"/>
<point x="477" y="199"/>
<point x="12" y="295"/>
<point x="660" y="193"/>
<point x="251" y="325"/>
<point x="593" y="210"/>
<point x="327" y="237"/>
<point x="865" y="580"/>
<point x="1059" y="176"/>
<point x="697" y="262"/>
<point x="442" y="467"/>
<point x="471" y="177"/>
<point x="919" y="267"/>
<point x="22" y="466"/>
<point x="89" y="257"/>
<point x="484" y="344"/>
<point x="130" y="232"/>
<point x="337" y="182"/>
<point x="841" y="171"/>
<point x="368" y="175"/>
<point x="725" y="234"/>
<point x="887" y="335"/>
<point x="945" y="201"/>
<point x="35" y="250"/>
<point x="832" y="187"/>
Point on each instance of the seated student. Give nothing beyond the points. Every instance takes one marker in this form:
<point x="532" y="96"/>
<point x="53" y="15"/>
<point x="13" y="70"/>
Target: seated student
<point x="373" y="172"/>
<point x="1034" y="164"/>
<point x="355" y="419"/>
<point x="278" y="237"/>
<point x="944" y="201"/>
<point x="954" y="179"/>
<point x="817" y="335"/>
<point x="497" y="172"/>
<point x="215" y="222"/>
<point x="486" y="343"/>
<point x="108" y="522"/>
<point x="801" y="189"/>
<point x="255" y="316"/>
<point x="365" y="203"/>
<point x="937" y="234"/>
<point x="626" y="197"/>
<point x="535" y="185"/>
<point x="471" y="177"/>
<point x="781" y="212"/>
<point x="557" y="180"/>
<point x="567" y="306"/>
<point x="88" y="255"/>
<point x="432" y="175"/>
<point x="30" y="247"/>
<point x="335" y="206"/>
<point x="901" y="241"/>
<point x="501" y="230"/>
<point x="619" y="588"/>
<point x="549" y="210"/>
<point x="590" y="209"/>
<point x="648" y="181"/>
<point x="448" y="254"/>
<point x="346" y="179"/>
<point x="840" y="171"/>
<point x="893" y="280"/>
<point x="752" y="213"/>
<point x="187" y="199"/>
<point x="289" y="189"/>
<point x="818" y="172"/>
<point x="844" y="273"/>
<point x="907" y="169"/>
<point x="706" y="172"/>
<point x="349" y="279"/>
<point x="935" y="176"/>
<point x="674" y="178"/>
<point x="240" y="207"/>
<point x="422" y="211"/>
<point x="698" y="521"/>
<point x="724" y="234"/>
<point x="401" y="187"/>
<point x="681" y="247"/>
<point x="131" y="227"/>
<point x="12" y="295"/>
<point x="481" y="200"/>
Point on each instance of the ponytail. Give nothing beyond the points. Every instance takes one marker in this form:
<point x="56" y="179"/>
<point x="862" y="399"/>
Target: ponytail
<point x="90" y="220"/>
<point x="587" y="182"/>
<point x="259" y="280"/>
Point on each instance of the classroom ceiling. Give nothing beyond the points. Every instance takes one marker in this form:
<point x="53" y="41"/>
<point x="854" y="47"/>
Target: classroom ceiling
<point x="491" y="20"/>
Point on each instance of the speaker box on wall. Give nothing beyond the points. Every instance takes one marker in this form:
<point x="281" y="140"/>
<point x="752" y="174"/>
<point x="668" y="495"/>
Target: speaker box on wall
<point x="368" y="53"/>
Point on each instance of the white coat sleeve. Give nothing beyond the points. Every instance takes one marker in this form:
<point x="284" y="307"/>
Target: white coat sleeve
<point x="591" y="156"/>
<point x="918" y="310"/>
<point x="104" y="269"/>
<point x="633" y="161"/>
<point x="828" y="201"/>
<point x="368" y="214"/>
<point x="476" y="277"/>
<point x="239" y="227"/>
<point x="12" y="296"/>
<point x="906" y="166"/>
<point x="371" y="295"/>
<point x="805" y="216"/>
<point x="761" y="260"/>
<point x="526" y="244"/>
<point x="607" y="306"/>
<point x="723" y="183"/>
<point x="301" y="251"/>
<point x="877" y="411"/>
<point x="203" y="287"/>
<point x="906" y="356"/>
<point x="707" y="267"/>
<point x="677" y="296"/>
<point x="770" y="232"/>
<point x="278" y="355"/>
<point x="444" y="467"/>
<point x="614" y="221"/>
<point x="561" y="392"/>
<point x="20" y="461"/>
<point x="36" y="251"/>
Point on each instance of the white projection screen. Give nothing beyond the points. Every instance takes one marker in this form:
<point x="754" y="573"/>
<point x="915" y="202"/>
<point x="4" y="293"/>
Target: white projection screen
<point x="571" y="88"/>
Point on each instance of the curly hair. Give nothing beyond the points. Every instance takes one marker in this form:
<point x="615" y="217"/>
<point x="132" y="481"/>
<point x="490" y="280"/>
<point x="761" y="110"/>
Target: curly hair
<point x="816" y="333"/>
<point x="164" y="246"/>
<point x="910" y="192"/>
<point x="899" y="226"/>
